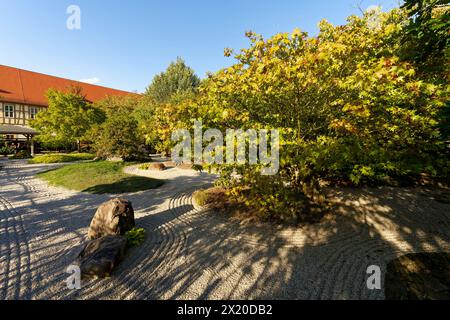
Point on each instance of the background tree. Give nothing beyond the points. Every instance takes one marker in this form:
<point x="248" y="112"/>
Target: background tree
<point x="67" y="119"/>
<point x="177" y="79"/>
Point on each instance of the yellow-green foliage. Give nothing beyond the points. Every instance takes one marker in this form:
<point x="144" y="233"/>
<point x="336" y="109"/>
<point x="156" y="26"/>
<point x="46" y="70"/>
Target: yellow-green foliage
<point x="61" y="157"/>
<point x="165" y="118"/>
<point x="348" y="103"/>
<point x="119" y="134"/>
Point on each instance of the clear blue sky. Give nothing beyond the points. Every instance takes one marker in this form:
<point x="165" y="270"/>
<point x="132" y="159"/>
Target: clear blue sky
<point x="125" y="43"/>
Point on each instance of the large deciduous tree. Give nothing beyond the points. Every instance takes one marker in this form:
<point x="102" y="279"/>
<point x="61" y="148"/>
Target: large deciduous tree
<point x="426" y="44"/>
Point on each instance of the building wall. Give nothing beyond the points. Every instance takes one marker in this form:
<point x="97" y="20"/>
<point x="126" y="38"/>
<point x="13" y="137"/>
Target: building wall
<point x="22" y="113"/>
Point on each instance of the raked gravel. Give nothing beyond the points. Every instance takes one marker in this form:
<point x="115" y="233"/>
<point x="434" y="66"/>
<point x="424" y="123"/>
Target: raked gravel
<point x="191" y="253"/>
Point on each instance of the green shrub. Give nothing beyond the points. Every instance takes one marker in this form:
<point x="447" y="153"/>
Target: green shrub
<point x="135" y="237"/>
<point x="119" y="135"/>
<point x="347" y="107"/>
<point x="61" y="157"/>
<point x="6" y="150"/>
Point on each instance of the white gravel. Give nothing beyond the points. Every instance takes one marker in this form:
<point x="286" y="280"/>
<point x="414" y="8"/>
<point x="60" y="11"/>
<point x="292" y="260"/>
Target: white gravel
<point x="192" y="254"/>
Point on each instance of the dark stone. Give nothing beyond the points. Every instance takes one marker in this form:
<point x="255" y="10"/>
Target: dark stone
<point x="114" y="217"/>
<point x="100" y="256"/>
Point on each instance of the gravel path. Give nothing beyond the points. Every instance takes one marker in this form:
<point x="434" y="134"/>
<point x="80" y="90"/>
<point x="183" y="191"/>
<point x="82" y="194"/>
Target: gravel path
<point x="191" y="253"/>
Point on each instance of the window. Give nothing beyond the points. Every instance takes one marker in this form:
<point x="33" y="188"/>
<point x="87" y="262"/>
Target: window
<point x="33" y="112"/>
<point x="9" y="111"/>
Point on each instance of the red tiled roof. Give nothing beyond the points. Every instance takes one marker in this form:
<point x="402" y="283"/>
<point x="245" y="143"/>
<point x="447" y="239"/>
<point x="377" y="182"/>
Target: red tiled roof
<point x="27" y="87"/>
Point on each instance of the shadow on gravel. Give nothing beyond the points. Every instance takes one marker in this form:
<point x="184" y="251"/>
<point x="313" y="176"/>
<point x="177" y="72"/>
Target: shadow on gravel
<point x="418" y="276"/>
<point x="205" y="255"/>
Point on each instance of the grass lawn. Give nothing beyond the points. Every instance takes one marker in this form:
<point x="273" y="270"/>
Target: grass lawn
<point x="61" y="157"/>
<point x="98" y="177"/>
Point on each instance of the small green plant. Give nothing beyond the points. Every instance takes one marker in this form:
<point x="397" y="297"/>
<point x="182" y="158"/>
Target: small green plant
<point x="135" y="237"/>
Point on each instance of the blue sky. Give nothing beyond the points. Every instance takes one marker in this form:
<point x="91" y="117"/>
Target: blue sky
<point x="123" y="44"/>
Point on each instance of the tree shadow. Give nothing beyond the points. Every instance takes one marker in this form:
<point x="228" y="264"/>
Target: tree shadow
<point x="126" y="185"/>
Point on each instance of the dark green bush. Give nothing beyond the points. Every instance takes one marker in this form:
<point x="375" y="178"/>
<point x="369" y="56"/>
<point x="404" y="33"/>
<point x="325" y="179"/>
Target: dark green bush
<point x="22" y="154"/>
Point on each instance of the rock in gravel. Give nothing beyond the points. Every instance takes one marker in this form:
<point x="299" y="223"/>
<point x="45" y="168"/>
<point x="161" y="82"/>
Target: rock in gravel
<point x="114" y="217"/>
<point x="100" y="256"/>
